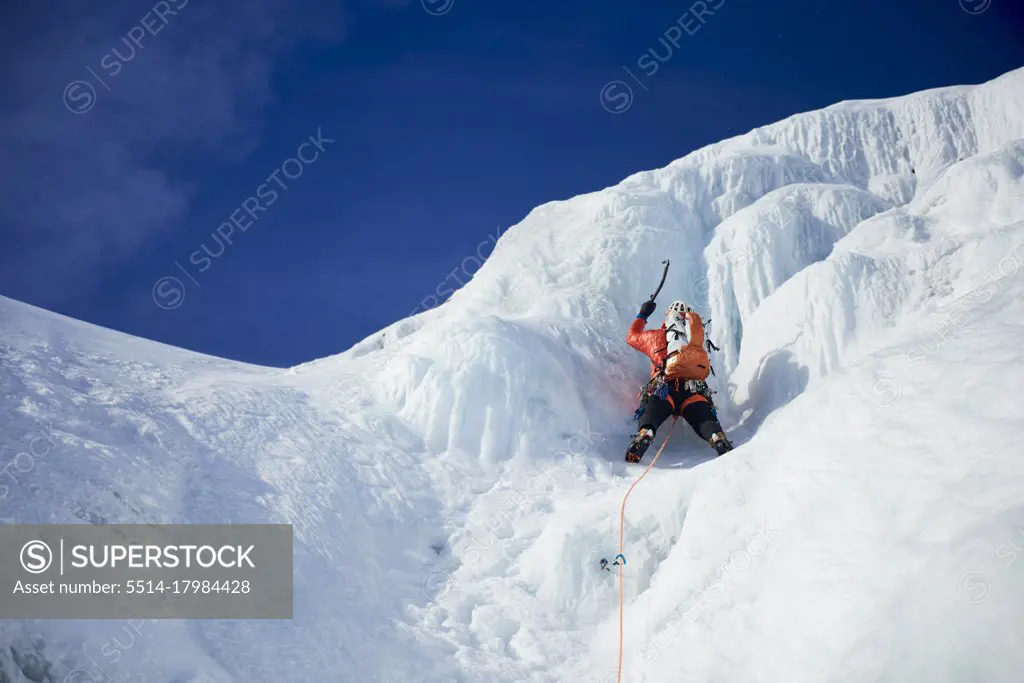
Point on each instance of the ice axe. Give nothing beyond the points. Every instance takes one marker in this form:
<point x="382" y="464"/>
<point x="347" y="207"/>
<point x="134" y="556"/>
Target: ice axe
<point x="661" y="284"/>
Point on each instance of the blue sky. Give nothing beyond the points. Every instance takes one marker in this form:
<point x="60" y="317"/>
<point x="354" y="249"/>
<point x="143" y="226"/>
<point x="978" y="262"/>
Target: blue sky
<point x="437" y="124"/>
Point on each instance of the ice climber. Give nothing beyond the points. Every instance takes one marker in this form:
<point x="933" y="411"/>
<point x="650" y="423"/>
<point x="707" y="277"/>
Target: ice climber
<point x="679" y="366"/>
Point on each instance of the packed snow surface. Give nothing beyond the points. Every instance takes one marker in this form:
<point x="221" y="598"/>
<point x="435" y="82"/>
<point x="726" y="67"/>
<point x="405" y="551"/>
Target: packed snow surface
<point x="454" y="480"/>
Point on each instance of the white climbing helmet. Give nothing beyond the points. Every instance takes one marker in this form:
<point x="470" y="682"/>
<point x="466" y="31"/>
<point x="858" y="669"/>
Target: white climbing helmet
<point x="678" y="307"/>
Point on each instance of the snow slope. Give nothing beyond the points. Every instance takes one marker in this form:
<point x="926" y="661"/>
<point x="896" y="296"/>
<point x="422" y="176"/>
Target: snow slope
<point x="454" y="479"/>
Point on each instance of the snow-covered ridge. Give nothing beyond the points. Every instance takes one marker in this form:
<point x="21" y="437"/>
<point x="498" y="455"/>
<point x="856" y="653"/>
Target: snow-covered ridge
<point x="739" y="219"/>
<point x="454" y="479"/>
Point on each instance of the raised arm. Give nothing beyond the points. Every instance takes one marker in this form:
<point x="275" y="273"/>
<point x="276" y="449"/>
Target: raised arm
<point x="635" y="336"/>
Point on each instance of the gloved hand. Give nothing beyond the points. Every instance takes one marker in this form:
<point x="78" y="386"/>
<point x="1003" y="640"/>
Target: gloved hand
<point x="646" y="309"/>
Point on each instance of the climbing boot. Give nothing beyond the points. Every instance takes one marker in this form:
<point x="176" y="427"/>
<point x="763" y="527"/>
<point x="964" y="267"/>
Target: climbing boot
<point x="639" y="445"/>
<point x="720" y="443"/>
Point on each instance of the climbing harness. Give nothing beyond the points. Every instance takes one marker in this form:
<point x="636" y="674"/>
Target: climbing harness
<point x="699" y="386"/>
<point x="656" y="386"/>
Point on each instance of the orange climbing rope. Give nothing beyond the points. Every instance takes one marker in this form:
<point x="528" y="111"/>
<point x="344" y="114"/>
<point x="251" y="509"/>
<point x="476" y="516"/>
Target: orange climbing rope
<point x="622" y="531"/>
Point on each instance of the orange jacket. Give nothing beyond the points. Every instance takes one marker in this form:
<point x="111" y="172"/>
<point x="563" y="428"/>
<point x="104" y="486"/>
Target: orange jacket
<point x="651" y="343"/>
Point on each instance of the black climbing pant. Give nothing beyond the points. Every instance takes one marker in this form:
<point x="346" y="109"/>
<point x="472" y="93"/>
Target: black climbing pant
<point x="697" y="412"/>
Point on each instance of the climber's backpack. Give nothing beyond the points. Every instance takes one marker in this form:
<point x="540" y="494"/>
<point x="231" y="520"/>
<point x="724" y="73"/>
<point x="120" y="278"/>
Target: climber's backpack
<point x="686" y="356"/>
